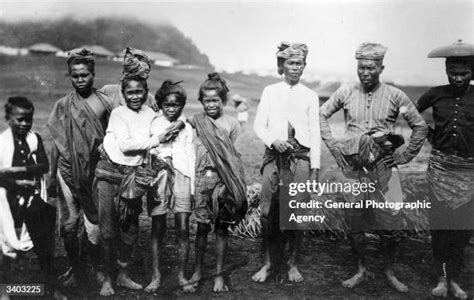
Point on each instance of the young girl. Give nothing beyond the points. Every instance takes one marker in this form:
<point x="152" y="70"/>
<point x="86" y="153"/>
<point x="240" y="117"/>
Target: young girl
<point x="174" y="194"/>
<point x="126" y="144"/>
<point x="220" y="194"/>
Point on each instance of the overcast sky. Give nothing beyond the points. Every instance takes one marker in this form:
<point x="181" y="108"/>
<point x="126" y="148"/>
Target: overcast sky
<point x="243" y="35"/>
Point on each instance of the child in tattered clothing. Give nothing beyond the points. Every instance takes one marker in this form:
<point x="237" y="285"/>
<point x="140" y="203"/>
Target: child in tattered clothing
<point x="124" y="156"/>
<point x="23" y="210"/>
<point x="220" y="197"/>
<point x="174" y="189"/>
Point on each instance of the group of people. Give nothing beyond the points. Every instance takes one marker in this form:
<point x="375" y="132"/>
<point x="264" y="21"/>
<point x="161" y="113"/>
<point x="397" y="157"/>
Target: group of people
<point x="119" y="146"/>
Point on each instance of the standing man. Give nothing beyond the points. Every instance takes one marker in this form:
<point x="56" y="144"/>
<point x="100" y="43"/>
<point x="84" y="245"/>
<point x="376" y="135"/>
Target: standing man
<point x="287" y="121"/>
<point x="451" y="166"/>
<point x="367" y="106"/>
<point x="77" y="125"/>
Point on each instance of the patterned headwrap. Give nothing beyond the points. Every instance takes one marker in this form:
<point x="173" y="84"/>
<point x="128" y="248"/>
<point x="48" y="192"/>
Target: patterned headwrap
<point x="167" y="88"/>
<point x="370" y="51"/>
<point x="287" y="50"/>
<point x="135" y="63"/>
<point x="80" y="55"/>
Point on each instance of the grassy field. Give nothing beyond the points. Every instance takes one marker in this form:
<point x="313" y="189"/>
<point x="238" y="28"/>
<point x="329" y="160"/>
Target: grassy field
<point x="325" y="261"/>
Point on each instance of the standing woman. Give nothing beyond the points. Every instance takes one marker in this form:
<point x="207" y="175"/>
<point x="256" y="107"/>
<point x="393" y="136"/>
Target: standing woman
<point x="451" y="166"/>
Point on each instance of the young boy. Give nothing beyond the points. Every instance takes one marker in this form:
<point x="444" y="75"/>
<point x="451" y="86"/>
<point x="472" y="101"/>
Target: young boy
<point x="220" y="193"/>
<point x="23" y="210"/>
<point x="173" y="192"/>
<point x="126" y="145"/>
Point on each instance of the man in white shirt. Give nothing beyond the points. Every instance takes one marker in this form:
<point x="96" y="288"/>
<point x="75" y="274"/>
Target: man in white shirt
<point x="287" y="121"/>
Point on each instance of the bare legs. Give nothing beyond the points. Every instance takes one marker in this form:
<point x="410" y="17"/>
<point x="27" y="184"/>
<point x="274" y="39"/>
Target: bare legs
<point x="158" y="229"/>
<point x="182" y="234"/>
<point x="358" y="243"/>
<point x="123" y="278"/>
<point x="221" y="247"/>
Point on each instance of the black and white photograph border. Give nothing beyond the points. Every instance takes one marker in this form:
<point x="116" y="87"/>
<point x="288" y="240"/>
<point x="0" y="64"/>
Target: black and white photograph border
<point x="185" y="41"/>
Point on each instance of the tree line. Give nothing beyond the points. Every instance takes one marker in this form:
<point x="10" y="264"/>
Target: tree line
<point x="112" y="33"/>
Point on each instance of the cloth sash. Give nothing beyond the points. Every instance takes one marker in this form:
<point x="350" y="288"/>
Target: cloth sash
<point x="287" y="159"/>
<point x="8" y="237"/>
<point x="226" y="160"/>
<point x="368" y="163"/>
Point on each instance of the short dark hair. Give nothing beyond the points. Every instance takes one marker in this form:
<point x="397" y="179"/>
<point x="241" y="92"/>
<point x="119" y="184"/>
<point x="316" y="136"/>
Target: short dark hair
<point x="18" y="101"/>
<point x="169" y="88"/>
<point x="89" y="63"/>
<point x="216" y="83"/>
<point x="137" y="78"/>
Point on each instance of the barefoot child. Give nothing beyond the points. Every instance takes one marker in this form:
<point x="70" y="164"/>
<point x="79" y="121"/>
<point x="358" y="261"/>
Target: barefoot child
<point x="220" y="181"/>
<point x="174" y="194"/>
<point x="23" y="209"/>
<point x="126" y="144"/>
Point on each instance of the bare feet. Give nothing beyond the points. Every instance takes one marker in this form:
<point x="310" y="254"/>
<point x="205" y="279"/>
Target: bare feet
<point x="294" y="275"/>
<point x="186" y="285"/>
<point x="154" y="284"/>
<point x="125" y="281"/>
<point x="219" y="285"/>
<point x="457" y="291"/>
<point x="70" y="281"/>
<point x="68" y="278"/>
<point x="107" y="289"/>
<point x="192" y="283"/>
<point x="100" y="277"/>
<point x="4" y="297"/>
<point x="262" y="275"/>
<point x="397" y="284"/>
<point x="354" y="281"/>
<point x="57" y="295"/>
<point x="441" y="290"/>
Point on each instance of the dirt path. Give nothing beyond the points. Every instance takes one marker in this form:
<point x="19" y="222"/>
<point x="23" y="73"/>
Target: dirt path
<point x="325" y="263"/>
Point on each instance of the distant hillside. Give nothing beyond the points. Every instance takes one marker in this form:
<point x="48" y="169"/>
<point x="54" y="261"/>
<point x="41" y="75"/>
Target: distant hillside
<point x="112" y="33"/>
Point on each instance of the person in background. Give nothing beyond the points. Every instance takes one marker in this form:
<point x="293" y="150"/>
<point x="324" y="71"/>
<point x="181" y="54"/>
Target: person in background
<point x="240" y="104"/>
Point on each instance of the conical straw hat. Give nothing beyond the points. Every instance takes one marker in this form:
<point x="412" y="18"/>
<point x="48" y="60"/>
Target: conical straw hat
<point x="458" y="49"/>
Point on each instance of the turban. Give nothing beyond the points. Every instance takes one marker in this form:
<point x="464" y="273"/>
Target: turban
<point x="80" y="55"/>
<point x="135" y="63"/>
<point x="287" y="50"/>
<point x="167" y="88"/>
<point x="370" y="51"/>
